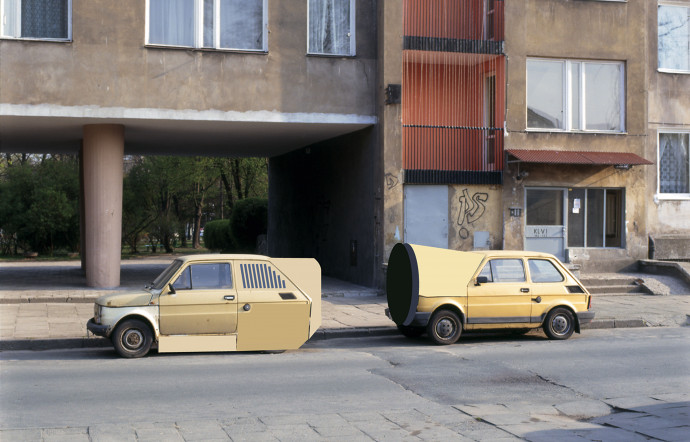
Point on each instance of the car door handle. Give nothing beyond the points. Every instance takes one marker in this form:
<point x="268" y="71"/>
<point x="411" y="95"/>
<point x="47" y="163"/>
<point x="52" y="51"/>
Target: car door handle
<point x="537" y="299"/>
<point x="524" y="290"/>
<point x="229" y="297"/>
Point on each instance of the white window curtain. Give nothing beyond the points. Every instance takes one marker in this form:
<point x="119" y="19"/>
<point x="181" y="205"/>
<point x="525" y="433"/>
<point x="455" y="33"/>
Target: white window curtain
<point x="674" y="173"/>
<point x="242" y="24"/>
<point x="674" y="37"/>
<point x="47" y="19"/>
<point x="330" y="27"/>
<point x="171" y="22"/>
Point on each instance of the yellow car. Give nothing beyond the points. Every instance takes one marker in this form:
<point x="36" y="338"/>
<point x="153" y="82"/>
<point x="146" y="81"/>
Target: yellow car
<point x="216" y="303"/>
<point x="443" y="292"/>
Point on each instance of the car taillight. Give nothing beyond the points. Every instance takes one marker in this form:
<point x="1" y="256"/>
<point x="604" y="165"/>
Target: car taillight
<point x="589" y="303"/>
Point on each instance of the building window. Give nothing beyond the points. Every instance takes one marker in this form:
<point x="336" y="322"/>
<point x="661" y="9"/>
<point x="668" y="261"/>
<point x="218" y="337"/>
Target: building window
<point x="674" y="164"/>
<point x="36" y="19"/>
<point x="214" y="24"/>
<point x="331" y="27"/>
<point x="674" y="38"/>
<point x="595" y="217"/>
<point x="575" y="95"/>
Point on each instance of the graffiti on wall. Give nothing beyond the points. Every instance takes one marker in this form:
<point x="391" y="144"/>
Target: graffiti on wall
<point x="472" y="208"/>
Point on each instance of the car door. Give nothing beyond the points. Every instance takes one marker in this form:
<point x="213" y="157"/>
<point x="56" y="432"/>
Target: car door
<point x="504" y="298"/>
<point x="548" y="286"/>
<point x="204" y="301"/>
<point x="273" y="313"/>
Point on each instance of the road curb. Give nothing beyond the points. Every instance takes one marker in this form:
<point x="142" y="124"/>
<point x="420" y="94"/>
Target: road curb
<point x="320" y="335"/>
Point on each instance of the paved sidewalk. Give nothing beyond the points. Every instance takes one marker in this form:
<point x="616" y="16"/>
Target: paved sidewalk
<point x="663" y="417"/>
<point x="46" y="305"/>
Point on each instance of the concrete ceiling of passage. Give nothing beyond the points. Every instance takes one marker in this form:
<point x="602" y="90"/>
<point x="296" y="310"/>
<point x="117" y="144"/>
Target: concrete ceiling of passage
<point x="261" y="134"/>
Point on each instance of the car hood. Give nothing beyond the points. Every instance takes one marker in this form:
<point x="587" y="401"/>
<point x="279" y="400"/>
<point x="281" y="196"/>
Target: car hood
<point x="128" y="299"/>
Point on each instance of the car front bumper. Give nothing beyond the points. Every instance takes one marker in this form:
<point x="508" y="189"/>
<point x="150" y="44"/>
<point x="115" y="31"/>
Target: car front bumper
<point x="97" y="329"/>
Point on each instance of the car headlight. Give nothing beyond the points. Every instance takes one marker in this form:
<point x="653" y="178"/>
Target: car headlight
<point x="97" y="313"/>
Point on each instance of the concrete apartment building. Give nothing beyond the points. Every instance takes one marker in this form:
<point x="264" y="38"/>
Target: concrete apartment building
<point x="550" y="125"/>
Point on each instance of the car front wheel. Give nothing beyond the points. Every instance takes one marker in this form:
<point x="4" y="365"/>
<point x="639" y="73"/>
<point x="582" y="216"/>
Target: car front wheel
<point x="559" y="323"/>
<point x="445" y="327"/>
<point x="132" y="338"/>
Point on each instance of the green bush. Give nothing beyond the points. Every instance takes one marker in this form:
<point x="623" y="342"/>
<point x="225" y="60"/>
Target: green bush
<point x="217" y="235"/>
<point x="249" y="220"/>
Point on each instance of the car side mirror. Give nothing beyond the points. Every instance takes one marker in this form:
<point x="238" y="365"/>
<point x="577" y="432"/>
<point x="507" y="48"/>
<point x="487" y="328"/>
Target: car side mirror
<point x="481" y="280"/>
<point x="172" y="289"/>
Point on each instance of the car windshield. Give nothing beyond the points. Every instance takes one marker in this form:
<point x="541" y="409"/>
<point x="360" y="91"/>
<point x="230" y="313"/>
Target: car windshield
<point x="164" y="277"/>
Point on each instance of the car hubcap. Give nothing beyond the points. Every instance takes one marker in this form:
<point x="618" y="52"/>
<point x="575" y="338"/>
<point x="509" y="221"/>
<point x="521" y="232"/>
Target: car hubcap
<point x="133" y="339"/>
<point x="560" y="324"/>
<point x="445" y="328"/>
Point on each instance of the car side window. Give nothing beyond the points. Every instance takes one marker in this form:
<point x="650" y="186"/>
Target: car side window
<point x="542" y="270"/>
<point x="504" y="270"/>
<point x="204" y="277"/>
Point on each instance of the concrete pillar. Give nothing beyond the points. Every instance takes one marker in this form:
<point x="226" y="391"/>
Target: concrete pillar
<point x="102" y="158"/>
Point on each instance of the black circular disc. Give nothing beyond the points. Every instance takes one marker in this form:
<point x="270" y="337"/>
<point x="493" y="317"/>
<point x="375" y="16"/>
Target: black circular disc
<point x="402" y="284"/>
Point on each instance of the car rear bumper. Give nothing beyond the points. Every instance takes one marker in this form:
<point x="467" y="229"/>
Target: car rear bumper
<point x="585" y="317"/>
<point x="97" y="329"/>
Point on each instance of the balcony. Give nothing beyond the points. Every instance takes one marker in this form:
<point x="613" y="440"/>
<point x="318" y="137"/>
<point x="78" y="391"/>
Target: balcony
<point x="470" y="26"/>
<point x="453" y="91"/>
<point x="452" y="155"/>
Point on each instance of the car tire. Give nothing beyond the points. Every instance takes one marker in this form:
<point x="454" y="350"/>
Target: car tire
<point x="132" y="338"/>
<point x="445" y="327"/>
<point x="559" y="323"/>
<point x="411" y="332"/>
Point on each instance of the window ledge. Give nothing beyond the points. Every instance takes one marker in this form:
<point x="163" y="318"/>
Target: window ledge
<point x="574" y="132"/>
<point x="671" y="197"/>
<point x="672" y="71"/>
<point x="314" y="54"/>
<point x="192" y="48"/>
<point x="45" y="40"/>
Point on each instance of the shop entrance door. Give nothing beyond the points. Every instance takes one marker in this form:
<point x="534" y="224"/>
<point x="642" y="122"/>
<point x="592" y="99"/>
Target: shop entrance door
<point x="545" y="221"/>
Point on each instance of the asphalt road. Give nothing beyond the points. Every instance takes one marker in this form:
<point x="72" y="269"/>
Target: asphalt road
<point x="348" y="378"/>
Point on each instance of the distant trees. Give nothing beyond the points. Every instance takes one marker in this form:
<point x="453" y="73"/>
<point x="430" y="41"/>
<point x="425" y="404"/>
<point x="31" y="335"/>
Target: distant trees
<point x="166" y="200"/>
<point x="39" y="203"/>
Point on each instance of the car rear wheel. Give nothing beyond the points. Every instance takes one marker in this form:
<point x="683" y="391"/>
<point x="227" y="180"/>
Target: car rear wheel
<point x="445" y="327"/>
<point x="559" y="323"/>
<point x="132" y="338"/>
<point x="411" y="332"/>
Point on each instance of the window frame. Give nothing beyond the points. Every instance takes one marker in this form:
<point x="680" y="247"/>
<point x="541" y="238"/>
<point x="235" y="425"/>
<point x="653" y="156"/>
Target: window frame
<point x="67" y="39"/>
<point x="198" y="31"/>
<point x="675" y="4"/>
<point x="531" y="273"/>
<point x="669" y="196"/>
<point x="490" y="264"/>
<point x="353" y="34"/>
<point x="567" y="95"/>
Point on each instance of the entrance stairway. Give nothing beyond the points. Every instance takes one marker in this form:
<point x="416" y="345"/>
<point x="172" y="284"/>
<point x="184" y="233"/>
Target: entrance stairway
<point x="612" y="284"/>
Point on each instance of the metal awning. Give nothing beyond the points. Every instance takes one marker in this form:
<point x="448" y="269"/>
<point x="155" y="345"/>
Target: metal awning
<point x="578" y="157"/>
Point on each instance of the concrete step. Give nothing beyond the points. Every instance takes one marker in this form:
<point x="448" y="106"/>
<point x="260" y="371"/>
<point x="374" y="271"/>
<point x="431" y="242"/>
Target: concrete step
<point x="613" y="281"/>
<point x="606" y="289"/>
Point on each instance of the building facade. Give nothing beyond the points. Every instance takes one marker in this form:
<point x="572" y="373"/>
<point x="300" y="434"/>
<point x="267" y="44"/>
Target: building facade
<point x="573" y="104"/>
<point x="548" y="125"/>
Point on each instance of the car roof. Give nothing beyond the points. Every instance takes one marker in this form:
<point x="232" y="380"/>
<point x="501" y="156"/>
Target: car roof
<point x="220" y="257"/>
<point x="513" y="254"/>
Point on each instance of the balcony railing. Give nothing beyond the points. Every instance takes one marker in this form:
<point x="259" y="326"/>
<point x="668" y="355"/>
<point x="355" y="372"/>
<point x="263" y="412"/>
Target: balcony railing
<point x="436" y="24"/>
<point x="444" y="151"/>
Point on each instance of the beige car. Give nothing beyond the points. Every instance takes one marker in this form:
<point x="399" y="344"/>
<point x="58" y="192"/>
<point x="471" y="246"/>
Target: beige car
<point x="204" y="303"/>
<point x="443" y="292"/>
